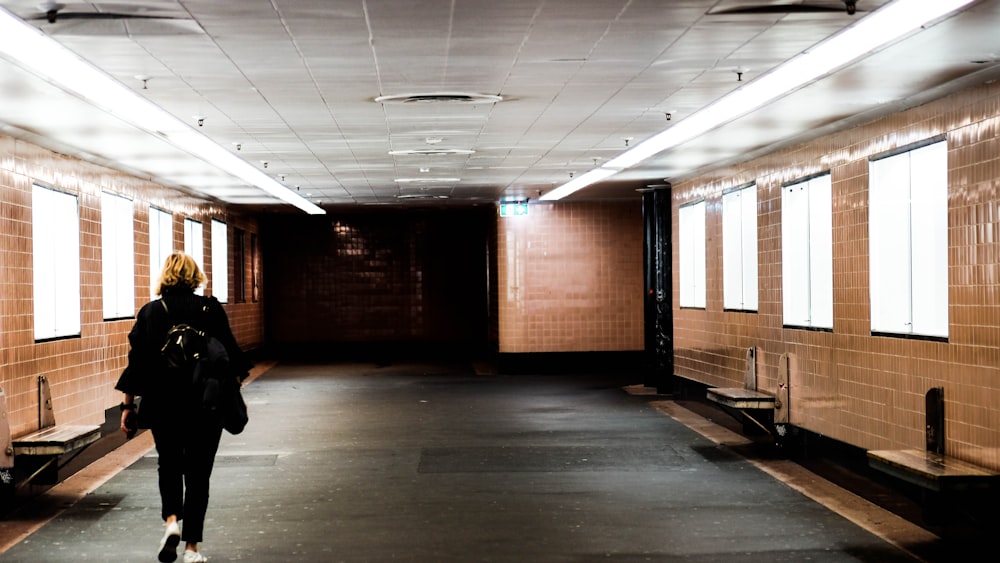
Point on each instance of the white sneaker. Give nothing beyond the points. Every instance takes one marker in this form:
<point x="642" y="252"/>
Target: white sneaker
<point x="168" y="545"/>
<point x="194" y="557"/>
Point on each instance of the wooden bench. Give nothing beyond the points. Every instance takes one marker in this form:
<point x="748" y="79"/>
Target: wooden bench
<point x="56" y="440"/>
<point x="740" y="399"/>
<point x="747" y="400"/>
<point x="930" y="468"/>
<point x="746" y="397"/>
<point x="41" y="451"/>
<point x="933" y="471"/>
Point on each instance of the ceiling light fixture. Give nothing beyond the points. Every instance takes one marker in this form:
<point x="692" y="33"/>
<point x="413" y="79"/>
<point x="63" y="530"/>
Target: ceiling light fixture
<point x="33" y="51"/>
<point x="425" y="180"/>
<point x="430" y="152"/>
<point x="420" y="196"/>
<point x="592" y="177"/>
<point x="874" y="31"/>
<point x="439" y="98"/>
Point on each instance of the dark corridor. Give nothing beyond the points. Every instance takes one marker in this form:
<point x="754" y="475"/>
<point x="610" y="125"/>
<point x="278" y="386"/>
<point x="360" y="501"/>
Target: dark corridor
<point x="379" y="284"/>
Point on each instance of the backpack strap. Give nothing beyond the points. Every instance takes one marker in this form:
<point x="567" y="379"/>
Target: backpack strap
<point x="204" y="312"/>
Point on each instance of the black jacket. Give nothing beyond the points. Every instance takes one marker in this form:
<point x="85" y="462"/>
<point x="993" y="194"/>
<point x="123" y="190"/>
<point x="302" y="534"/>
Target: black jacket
<point x="146" y="375"/>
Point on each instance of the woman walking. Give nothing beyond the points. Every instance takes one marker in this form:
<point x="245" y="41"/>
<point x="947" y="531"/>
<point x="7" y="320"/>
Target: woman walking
<point x="185" y="433"/>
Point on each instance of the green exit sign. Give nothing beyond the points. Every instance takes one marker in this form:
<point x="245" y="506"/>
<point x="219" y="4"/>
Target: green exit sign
<point x="513" y="209"/>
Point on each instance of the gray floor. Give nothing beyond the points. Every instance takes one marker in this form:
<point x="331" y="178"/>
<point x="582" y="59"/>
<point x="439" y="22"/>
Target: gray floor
<point x="431" y="464"/>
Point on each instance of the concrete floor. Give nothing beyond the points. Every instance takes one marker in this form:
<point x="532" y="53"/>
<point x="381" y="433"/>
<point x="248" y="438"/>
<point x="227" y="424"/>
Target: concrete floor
<point x="432" y="463"/>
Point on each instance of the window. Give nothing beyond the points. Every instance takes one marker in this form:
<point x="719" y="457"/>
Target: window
<point x="161" y="244"/>
<point x="254" y="268"/>
<point x="239" y="266"/>
<point x="908" y="242"/>
<point x="194" y="246"/>
<point x="117" y="256"/>
<point x="807" y="253"/>
<point x="739" y="249"/>
<point x="692" y="255"/>
<point x="55" y="228"/>
<point x="220" y="261"/>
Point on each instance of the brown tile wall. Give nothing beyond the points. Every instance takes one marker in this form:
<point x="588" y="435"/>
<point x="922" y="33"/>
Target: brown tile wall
<point x="864" y="390"/>
<point x="245" y="318"/>
<point x="570" y="278"/>
<point x="82" y="371"/>
<point x="378" y="281"/>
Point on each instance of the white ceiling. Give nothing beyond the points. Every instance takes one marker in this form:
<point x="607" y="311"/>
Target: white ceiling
<point x="294" y="84"/>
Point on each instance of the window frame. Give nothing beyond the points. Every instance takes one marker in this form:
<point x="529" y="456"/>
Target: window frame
<point x="239" y="265"/>
<point x="740" y="289"/>
<point x="220" y="255"/>
<point x="254" y="268"/>
<point x="160" y="233"/>
<point x="908" y="289"/>
<point x="56" y="299"/>
<point x="117" y="256"/>
<point x="810" y="264"/>
<point x="692" y="255"/>
<point x="194" y="229"/>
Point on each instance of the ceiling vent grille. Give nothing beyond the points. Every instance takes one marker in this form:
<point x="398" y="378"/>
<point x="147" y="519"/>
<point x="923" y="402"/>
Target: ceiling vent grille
<point x="431" y="152"/>
<point x="440" y="98"/>
<point x="142" y="18"/>
<point x="782" y="7"/>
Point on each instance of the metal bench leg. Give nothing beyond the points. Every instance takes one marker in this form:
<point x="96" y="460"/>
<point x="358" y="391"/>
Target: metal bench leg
<point x="47" y="465"/>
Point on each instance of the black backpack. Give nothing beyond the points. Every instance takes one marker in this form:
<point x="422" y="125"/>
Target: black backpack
<point x="184" y="345"/>
<point x="202" y="360"/>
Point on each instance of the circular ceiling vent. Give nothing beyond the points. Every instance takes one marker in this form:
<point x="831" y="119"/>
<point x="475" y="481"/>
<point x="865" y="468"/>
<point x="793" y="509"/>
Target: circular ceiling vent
<point x="431" y="152"/>
<point x="440" y="98"/>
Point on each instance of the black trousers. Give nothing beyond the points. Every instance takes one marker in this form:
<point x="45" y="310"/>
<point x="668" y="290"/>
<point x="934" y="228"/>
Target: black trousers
<point x="186" y="449"/>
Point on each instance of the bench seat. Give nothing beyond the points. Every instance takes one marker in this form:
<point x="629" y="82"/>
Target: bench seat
<point x="932" y="471"/>
<point x="739" y="398"/>
<point x="56" y="440"/>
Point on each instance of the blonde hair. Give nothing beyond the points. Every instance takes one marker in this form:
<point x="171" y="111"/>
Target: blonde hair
<point x="179" y="271"/>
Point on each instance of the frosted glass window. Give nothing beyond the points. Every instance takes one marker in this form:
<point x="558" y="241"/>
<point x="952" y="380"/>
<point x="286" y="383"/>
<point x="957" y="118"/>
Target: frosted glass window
<point x="692" y="255"/>
<point x="239" y="266"/>
<point x="739" y="249"/>
<point x="194" y="241"/>
<point x="161" y="244"/>
<point x="908" y="242"/>
<point x="55" y="228"/>
<point x="194" y="246"/>
<point x="117" y="256"/>
<point x="807" y="253"/>
<point x="220" y="261"/>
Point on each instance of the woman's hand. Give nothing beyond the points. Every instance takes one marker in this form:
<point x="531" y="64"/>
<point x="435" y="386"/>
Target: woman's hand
<point x="128" y="422"/>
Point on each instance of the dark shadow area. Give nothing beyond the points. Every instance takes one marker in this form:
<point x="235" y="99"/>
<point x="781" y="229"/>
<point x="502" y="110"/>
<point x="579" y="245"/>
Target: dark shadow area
<point x="27" y="495"/>
<point x="965" y="524"/>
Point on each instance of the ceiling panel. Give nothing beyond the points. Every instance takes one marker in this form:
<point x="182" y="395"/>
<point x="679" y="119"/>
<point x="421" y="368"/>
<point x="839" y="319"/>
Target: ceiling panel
<point x="292" y="83"/>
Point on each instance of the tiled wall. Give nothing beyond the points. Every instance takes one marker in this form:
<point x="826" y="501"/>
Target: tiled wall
<point x="363" y="282"/>
<point x="866" y="390"/>
<point x="82" y="371"/>
<point x="246" y="317"/>
<point x="570" y="278"/>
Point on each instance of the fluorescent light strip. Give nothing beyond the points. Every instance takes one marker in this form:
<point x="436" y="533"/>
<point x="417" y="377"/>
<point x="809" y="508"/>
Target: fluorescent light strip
<point x="872" y="32"/>
<point x="210" y="151"/>
<point x="33" y="51"/>
<point x="428" y="180"/>
<point x="580" y="182"/>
